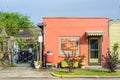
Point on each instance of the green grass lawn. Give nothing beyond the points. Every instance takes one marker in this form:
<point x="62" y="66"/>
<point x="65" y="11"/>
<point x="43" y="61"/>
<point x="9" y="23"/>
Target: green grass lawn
<point x="86" y="72"/>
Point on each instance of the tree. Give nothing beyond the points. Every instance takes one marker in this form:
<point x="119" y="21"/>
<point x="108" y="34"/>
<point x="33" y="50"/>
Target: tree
<point x="12" y="22"/>
<point x="35" y="32"/>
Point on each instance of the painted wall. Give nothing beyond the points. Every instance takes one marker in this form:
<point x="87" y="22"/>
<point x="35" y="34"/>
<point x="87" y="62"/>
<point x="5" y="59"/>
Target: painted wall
<point x="73" y="26"/>
<point x="114" y="32"/>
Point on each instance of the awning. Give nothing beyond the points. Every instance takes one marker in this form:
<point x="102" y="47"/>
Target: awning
<point x="94" y="33"/>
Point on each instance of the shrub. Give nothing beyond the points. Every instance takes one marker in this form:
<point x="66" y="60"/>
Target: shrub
<point x="112" y="58"/>
<point x="70" y="59"/>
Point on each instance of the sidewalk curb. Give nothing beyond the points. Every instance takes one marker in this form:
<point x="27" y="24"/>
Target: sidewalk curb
<point x="82" y="76"/>
<point x="56" y="75"/>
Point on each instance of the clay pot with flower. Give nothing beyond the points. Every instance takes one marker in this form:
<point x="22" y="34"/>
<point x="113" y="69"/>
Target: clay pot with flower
<point x="81" y="61"/>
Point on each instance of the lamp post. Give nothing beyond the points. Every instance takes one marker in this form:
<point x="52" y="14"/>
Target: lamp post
<point x="41" y="41"/>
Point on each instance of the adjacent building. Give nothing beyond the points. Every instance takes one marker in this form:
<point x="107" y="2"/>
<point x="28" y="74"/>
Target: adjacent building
<point x="114" y="33"/>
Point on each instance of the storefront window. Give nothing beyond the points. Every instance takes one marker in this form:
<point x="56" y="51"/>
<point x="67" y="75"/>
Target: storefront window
<point x="69" y="44"/>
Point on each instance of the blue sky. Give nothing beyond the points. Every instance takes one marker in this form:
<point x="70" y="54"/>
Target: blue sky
<point x="37" y="9"/>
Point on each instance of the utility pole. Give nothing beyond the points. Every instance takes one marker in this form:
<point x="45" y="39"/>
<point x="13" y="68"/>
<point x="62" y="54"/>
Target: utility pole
<point x="40" y="44"/>
<point x="6" y="5"/>
<point x="119" y="12"/>
<point x="41" y="41"/>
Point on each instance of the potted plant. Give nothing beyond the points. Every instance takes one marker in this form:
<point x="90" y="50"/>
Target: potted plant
<point x="81" y="61"/>
<point x="37" y="64"/>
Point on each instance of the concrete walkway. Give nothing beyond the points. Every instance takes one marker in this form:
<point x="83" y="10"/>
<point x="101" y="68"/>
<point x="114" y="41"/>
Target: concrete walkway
<point x="24" y="72"/>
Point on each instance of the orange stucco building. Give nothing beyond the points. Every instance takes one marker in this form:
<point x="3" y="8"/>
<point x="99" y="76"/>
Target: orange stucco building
<point x="86" y="36"/>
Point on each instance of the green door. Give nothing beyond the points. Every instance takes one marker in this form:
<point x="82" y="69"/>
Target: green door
<point x="94" y="50"/>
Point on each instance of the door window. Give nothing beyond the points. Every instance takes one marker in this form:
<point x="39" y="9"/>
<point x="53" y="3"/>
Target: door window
<point x="94" y="50"/>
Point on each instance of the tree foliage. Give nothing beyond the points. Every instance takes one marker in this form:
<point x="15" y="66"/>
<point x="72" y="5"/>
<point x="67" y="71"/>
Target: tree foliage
<point x="12" y="22"/>
<point x="29" y="42"/>
<point x="35" y="32"/>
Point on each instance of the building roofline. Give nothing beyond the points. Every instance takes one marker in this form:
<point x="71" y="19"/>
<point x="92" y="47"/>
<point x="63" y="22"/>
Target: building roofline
<point x="75" y="18"/>
<point x="114" y="21"/>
